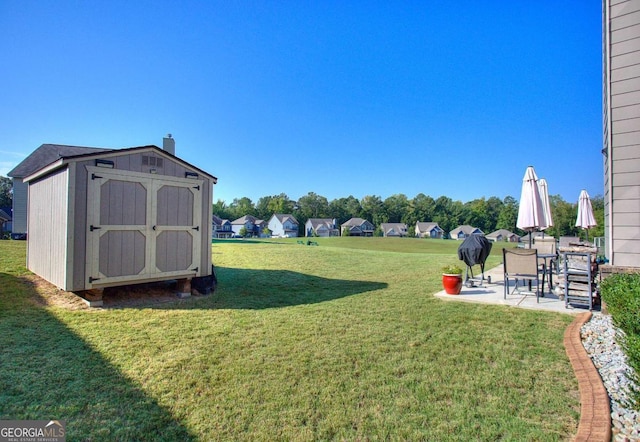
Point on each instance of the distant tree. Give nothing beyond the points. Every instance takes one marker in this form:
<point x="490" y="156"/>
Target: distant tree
<point x="396" y="208"/>
<point x="6" y="192"/>
<point x="373" y="209"/>
<point x="220" y="209"/>
<point x="378" y="231"/>
<point x="508" y="215"/>
<point x="243" y="232"/>
<point x="268" y="205"/>
<point x="338" y="210"/>
<point x="597" y="203"/>
<point x="459" y="212"/>
<point x="313" y="205"/>
<point x="343" y="209"/>
<point x="477" y="214"/>
<point x="564" y="217"/>
<point x="345" y="232"/>
<point x="494" y="207"/>
<point x="241" y="207"/>
<point x="262" y="208"/>
<point x="422" y="207"/>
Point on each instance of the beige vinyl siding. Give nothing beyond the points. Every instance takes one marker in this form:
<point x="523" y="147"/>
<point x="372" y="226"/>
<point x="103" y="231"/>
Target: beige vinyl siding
<point x="621" y="99"/>
<point x="47" y="221"/>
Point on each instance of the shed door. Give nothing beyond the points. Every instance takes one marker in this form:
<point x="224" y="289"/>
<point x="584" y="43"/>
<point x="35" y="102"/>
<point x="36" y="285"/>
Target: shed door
<point x="141" y="226"/>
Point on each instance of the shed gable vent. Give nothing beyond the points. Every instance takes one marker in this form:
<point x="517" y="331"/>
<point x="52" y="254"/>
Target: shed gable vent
<point x="152" y="161"/>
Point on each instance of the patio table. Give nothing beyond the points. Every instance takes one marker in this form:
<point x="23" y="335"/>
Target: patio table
<point x="546" y="258"/>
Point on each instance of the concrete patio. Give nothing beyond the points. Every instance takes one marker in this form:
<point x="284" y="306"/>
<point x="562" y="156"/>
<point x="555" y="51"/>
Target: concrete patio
<point x="493" y="293"/>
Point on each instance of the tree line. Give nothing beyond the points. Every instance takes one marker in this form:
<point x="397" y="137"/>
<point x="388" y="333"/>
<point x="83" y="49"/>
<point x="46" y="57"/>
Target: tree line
<point x="487" y="214"/>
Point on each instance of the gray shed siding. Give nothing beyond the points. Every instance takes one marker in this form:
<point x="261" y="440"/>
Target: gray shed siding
<point x="47" y="252"/>
<point x="621" y="130"/>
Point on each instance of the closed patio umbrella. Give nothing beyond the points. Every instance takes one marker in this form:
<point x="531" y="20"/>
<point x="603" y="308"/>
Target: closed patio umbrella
<point x="546" y="206"/>
<point x="530" y="212"/>
<point x="585" y="219"/>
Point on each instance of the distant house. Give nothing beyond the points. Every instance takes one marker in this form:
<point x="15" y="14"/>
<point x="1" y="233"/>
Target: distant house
<point x="394" y="229"/>
<point x="252" y="225"/>
<point x="461" y="232"/>
<point x="503" y="235"/>
<point x="283" y="225"/>
<point x="535" y="236"/>
<point x="44" y="155"/>
<point x="221" y="228"/>
<point x="5" y="221"/>
<point x="428" y="230"/>
<point x="358" y="227"/>
<point x="321" y="227"/>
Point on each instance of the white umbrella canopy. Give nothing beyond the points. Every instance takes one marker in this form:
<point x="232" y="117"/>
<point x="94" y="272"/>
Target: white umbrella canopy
<point x="530" y="212"/>
<point x="585" y="218"/>
<point x="546" y="206"/>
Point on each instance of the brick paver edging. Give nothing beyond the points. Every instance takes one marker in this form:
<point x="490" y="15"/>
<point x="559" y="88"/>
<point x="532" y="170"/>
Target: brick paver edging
<point x="595" y="414"/>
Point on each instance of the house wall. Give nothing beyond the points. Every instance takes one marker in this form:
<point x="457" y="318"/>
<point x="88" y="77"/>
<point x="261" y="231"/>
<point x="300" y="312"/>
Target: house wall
<point x="308" y="228"/>
<point x="47" y="217"/>
<point x="20" y="197"/>
<point x="249" y="226"/>
<point x="276" y="226"/>
<point x="290" y="228"/>
<point x="621" y="130"/>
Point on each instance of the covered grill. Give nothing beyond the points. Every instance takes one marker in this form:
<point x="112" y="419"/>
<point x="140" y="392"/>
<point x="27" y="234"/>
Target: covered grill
<point x="474" y="250"/>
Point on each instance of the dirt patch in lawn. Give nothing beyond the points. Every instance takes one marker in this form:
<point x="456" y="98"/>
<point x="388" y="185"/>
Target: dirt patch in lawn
<point x="138" y="295"/>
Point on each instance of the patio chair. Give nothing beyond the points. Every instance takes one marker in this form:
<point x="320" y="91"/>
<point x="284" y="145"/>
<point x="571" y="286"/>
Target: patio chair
<point x="548" y="248"/>
<point x="522" y="265"/>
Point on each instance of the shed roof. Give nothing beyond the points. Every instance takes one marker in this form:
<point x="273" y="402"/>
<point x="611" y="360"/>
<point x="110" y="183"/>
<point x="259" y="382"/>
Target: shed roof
<point x="47" y="154"/>
<point x="58" y="156"/>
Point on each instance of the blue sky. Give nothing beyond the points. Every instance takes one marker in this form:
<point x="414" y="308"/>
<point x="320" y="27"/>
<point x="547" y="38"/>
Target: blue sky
<point x="333" y="97"/>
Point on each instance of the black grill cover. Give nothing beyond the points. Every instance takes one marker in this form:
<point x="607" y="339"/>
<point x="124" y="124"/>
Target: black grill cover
<point x="474" y="250"/>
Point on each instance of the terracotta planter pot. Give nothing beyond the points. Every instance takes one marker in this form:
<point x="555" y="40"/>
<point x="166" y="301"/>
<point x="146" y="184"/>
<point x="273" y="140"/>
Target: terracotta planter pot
<point x="452" y="283"/>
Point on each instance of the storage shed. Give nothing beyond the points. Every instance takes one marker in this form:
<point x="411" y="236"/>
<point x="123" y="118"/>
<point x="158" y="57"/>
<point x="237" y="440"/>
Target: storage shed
<point x="119" y="216"/>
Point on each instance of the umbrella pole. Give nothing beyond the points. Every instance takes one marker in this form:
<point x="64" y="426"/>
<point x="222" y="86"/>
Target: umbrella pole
<point x="530" y="238"/>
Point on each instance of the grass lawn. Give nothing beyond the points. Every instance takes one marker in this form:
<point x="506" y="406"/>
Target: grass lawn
<point x="343" y="341"/>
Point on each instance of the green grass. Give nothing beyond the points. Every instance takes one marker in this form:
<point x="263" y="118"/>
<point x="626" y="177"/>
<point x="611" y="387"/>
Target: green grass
<point x="402" y="245"/>
<point x="297" y="343"/>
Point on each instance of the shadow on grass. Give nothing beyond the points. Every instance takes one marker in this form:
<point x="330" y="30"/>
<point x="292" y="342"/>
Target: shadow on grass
<point x="49" y="372"/>
<point x="262" y="289"/>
